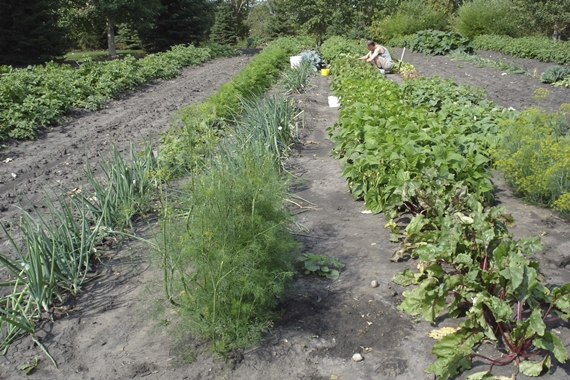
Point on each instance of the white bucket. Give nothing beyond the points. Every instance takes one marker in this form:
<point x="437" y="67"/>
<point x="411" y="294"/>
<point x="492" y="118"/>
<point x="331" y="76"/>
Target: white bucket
<point x="334" y="101"/>
<point x="295" y="60"/>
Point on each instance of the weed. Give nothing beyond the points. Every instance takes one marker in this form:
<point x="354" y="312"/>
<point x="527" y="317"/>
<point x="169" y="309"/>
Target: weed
<point x="324" y="266"/>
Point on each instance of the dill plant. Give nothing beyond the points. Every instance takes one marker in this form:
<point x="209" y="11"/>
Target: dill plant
<point x="228" y="255"/>
<point x="533" y="155"/>
<point x="233" y="250"/>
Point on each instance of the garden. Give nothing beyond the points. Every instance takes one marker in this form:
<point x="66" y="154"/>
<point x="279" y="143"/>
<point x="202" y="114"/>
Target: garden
<point x="203" y="214"/>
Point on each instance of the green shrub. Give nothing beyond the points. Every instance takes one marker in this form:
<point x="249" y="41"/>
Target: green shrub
<point x="412" y="16"/>
<point x="435" y="42"/>
<point x="479" y="17"/>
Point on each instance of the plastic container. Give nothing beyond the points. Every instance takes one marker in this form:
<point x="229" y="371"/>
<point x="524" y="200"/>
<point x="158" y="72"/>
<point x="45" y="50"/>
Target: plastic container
<point x="334" y="101"/>
<point x="295" y="60"/>
<point x="325" y="72"/>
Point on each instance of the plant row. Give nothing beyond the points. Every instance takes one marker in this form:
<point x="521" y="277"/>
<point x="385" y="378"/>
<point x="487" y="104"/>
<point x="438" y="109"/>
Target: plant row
<point x="542" y="48"/>
<point x="53" y="249"/>
<point x="423" y="150"/>
<point x="434" y="42"/>
<point x="40" y="95"/>
<point x="226" y="251"/>
<point x="197" y="128"/>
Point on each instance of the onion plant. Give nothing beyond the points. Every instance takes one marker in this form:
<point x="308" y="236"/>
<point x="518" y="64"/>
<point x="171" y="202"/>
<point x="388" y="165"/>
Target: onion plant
<point x="52" y="256"/>
<point x="125" y="188"/>
<point x="295" y="79"/>
<point x="269" y="120"/>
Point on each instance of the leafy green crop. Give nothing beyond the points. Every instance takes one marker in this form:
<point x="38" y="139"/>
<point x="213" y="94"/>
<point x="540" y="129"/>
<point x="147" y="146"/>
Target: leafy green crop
<point x="472" y="263"/>
<point x="435" y="42"/>
<point x="542" y="48"/>
<point x="424" y="150"/>
<point x="554" y="74"/>
<point x="39" y="96"/>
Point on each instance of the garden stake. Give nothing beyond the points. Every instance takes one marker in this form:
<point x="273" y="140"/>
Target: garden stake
<point x="402" y="57"/>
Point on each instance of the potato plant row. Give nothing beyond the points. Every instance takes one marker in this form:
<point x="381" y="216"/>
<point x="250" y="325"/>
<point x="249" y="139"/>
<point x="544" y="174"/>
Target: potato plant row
<point x="39" y="96"/>
<point x="423" y="150"/>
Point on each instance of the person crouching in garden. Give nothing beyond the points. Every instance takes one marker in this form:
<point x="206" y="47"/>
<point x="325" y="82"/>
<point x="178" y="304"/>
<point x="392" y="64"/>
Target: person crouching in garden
<point x="379" y="56"/>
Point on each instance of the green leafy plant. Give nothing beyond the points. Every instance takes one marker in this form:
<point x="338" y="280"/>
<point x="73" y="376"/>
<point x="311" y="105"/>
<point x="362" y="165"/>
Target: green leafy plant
<point x="542" y="48"/>
<point x="424" y="150"/>
<point x="321" y="265"/>
<point x="313" y="58"/>
<point x="40" y="95"/>
<point x="473" y="265"/>
<point x="435" y="42"/>
<point x="554" y="74"/>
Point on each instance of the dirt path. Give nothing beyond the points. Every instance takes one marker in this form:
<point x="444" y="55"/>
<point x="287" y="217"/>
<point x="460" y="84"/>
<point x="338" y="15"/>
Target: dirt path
<point x="109" y="333"/>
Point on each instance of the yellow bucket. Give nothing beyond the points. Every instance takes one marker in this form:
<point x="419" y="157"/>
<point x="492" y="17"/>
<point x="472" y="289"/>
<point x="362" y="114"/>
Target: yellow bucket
<point x="325" y="72"/>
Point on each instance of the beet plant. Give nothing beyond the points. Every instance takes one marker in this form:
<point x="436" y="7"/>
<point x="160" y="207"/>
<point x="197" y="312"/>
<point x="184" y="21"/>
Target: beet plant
<point x="473" y="267"/>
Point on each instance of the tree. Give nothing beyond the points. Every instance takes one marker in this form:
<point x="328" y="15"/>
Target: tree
<point x="29" y="32"/>
<point x="546" y="15"/>
<point x="259" y="19"/>
<point x="240" y="10"/>
<point x="224" y="29"/>
<point x="314" y="16"/>
<point x="178" y="22"/>
<point x="107" y="13"/>
<point x="280" y="24"/>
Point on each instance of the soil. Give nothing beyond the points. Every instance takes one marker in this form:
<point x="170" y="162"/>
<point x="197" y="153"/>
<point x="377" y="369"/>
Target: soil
<point x="108" y="331"/>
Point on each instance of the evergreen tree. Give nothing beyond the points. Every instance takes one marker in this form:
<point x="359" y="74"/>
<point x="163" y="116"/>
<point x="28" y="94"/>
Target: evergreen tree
<point x="179" y="22"/>
<point x="29" y="32"/>
<point x="224" y="28"/>
<point x="280" y="24"/>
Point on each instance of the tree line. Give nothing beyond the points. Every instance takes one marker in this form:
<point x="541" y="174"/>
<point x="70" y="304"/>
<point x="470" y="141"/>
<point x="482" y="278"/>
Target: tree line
<point x="39" y="30"/>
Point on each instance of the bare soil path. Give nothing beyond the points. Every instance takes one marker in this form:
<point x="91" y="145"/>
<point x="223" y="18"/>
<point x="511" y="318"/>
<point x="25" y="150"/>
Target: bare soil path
<point x="108" y="332"/>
